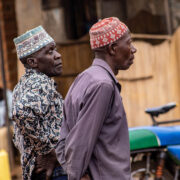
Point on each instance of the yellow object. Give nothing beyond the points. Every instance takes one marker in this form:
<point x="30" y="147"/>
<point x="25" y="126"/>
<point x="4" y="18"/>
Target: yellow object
<point x="4" y="166"/>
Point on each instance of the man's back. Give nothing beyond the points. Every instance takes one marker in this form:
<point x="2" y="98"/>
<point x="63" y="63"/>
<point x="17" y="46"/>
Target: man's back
<point x="37" y="116"/>
<point x="96" y="123"/>
<point x="94" y="135"/>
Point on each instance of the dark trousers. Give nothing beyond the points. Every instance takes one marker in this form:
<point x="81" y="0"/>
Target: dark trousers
<point x="58" y="174"/>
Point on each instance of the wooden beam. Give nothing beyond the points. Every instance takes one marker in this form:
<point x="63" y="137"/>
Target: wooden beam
<point x="150" y="36"/>
<point x="135" y="79"/>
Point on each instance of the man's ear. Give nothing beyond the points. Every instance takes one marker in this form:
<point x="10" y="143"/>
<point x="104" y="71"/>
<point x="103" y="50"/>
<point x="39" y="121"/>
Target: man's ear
<point x="112" y="49"/>
<point x="32" y="62"/>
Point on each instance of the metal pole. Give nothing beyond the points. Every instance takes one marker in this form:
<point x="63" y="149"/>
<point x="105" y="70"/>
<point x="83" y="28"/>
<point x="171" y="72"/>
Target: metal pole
<point x="5" y="99"/>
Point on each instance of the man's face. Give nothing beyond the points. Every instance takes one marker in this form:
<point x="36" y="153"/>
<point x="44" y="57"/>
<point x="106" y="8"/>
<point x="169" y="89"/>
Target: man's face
<point x="124" y="53"/>
<point x="49" y="60"/>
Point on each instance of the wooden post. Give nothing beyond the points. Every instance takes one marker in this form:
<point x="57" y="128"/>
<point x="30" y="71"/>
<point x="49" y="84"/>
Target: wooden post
<point x="124" y="5"/>
<point x="99" y="5"/>
<point x="168" y="17"/>
<point x="5" y="99"/>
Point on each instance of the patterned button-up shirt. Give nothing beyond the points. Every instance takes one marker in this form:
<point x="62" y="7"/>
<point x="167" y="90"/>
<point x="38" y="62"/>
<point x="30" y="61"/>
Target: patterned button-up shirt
<point x="37" y="114"/>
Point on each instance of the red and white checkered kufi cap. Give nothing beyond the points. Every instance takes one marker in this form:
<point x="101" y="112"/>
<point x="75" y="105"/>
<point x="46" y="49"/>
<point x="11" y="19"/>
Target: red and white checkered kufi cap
<point x="106" y="31"/>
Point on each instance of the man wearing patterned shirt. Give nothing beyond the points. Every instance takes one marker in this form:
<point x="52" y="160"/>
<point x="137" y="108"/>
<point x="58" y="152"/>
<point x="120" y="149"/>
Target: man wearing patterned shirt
<point x="37" y="111"/>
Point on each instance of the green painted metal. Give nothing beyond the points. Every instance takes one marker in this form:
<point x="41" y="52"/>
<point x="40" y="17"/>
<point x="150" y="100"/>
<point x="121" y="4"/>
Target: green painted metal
<point x="141" y="139"/>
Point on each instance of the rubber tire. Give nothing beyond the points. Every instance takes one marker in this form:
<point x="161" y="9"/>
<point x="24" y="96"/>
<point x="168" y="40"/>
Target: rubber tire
<point x="142" y="164"/>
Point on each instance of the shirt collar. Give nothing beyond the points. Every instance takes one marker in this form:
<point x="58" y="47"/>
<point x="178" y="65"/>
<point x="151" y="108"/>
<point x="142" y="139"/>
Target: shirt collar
<point x="33" y="71"/>
<point x="104" y="64"/>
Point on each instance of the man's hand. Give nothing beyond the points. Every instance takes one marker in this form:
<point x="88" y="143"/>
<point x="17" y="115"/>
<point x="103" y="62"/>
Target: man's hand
<point x="85" y="177"/>
<point x="46" y="163"/>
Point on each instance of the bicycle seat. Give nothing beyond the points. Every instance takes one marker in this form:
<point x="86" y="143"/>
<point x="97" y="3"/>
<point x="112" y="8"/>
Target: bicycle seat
<point x="161" y="109"/>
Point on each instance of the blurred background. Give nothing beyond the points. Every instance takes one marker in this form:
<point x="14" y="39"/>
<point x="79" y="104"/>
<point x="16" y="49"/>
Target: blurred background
<point x="153" y="79"/>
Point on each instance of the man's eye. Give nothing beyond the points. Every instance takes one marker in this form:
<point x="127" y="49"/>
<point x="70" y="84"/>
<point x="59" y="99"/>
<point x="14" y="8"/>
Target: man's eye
<point x="50" y="52"/>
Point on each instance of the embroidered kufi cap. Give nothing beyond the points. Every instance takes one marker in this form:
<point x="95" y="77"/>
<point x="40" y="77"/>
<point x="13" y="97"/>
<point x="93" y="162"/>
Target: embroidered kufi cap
<point x="31" y="41"/>
<point x="106" y="31"/>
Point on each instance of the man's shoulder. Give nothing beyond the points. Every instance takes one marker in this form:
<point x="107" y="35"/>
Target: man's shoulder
<point x="98" y="74"/>
<point x="39" y="78"/>
<point x="34" y="80"/>
<point x="32" y="84"/>
<point x="91" y="78"/>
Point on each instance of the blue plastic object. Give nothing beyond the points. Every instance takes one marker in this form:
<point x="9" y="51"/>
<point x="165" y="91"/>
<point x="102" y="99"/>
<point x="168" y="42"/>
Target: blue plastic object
<point x="166" y="135"/>
<point x="175" y="152"/>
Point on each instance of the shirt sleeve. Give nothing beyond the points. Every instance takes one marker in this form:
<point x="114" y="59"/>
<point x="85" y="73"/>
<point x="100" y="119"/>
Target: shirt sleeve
<point x="82" y="138"/>
<point x="37" y="112"/>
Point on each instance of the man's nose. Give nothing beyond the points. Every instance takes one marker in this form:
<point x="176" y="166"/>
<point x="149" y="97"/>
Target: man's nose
<point x="133" y="49"/>
<point x="57" y="55"/>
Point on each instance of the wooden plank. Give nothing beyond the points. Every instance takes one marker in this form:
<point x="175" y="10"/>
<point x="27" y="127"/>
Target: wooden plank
<point x="76" y="58"/>
<point x="64" y="84"/>
<point x="150" y="36"/>
<point x="85" y="40"/>
<point x="140" y="92"/>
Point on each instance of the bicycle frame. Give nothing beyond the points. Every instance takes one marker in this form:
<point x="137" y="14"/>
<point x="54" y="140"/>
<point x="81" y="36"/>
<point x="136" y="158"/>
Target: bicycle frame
<point x="161" y="152"/>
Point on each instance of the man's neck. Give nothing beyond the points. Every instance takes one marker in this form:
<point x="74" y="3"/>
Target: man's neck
<point x="106" y="58"/>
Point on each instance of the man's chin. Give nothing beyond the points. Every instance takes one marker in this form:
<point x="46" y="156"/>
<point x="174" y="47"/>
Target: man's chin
<point x="125" y="68"/>
<point x="55" y="74"/>
<point x="58" y="74"/>
<point x="129" y="65"/>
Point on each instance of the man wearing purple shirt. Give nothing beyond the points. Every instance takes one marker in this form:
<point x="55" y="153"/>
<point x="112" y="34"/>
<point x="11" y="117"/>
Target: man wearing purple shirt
<point x="94" y="136"/>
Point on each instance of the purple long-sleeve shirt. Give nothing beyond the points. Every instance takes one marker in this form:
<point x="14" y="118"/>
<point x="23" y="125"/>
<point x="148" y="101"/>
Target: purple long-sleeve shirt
<point x="94" y="132"/>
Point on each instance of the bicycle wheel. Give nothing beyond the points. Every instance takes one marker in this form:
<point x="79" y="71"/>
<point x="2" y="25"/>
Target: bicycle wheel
<point x="138" y="171"/>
